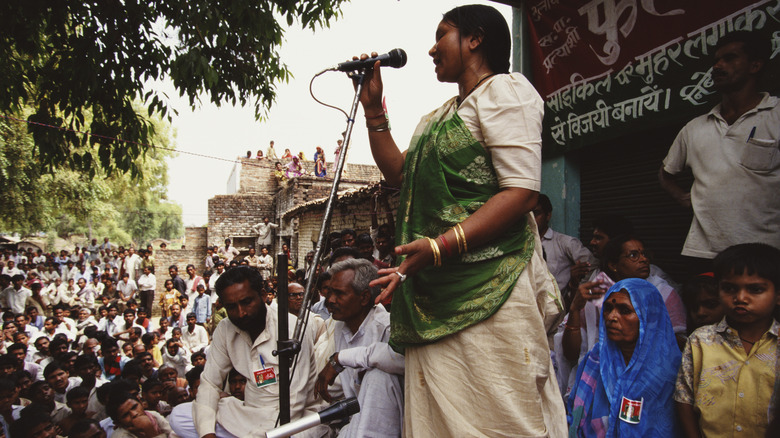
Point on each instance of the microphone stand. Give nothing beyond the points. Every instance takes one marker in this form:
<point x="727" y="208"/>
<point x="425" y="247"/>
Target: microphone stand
<point x="288" y="348"/>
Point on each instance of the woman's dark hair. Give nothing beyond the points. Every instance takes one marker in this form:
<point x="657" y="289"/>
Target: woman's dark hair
<point x="487" y="22"/>
<point x="613" y="250"/>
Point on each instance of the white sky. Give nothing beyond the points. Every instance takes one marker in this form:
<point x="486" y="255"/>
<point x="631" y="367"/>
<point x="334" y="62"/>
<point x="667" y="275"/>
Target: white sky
<point x="296" y="121"/>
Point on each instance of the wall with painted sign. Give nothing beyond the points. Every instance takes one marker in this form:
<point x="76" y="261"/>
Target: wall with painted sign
<point x="607" y="67"/>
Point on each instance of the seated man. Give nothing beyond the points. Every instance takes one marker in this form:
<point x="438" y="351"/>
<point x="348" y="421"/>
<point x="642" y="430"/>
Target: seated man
<point x="194" y="337"/>
<point x="245" y="341"/>
<point x="370" y="370"/>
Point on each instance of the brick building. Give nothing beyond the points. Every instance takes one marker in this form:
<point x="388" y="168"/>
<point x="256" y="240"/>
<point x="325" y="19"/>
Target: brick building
<point x="253" y="193"/>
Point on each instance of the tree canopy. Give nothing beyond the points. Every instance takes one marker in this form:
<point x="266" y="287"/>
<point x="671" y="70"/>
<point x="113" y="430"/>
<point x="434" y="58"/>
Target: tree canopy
<point x="67" y="201"/>
<point x="82" y="65"/>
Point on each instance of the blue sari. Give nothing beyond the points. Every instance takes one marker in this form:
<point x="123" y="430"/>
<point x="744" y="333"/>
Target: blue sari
<point x="598" y="406"/>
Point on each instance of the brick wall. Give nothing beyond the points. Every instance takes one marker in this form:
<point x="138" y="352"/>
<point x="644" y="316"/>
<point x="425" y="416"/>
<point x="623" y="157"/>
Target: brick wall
<point x="234" y="215"/>
<point x="260" y="194"/>
<point x="195" y="237"/>
<point x="257" y="176"/>
<point x="351" y="211"/>
<point x="179" y="257"/>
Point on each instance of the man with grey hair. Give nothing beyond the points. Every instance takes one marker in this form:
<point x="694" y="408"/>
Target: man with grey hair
<point x="369" y="369"/>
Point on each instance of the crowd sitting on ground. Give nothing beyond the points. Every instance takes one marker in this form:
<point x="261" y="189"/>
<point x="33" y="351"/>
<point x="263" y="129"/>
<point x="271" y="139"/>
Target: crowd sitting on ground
<point x="82" y="355"/>
<point x="80" y="351"/>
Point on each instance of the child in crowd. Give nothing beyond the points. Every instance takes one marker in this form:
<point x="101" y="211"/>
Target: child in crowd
<point x="151" y="341"/>
<point x="152" y="397"/>
<point x="176" y="334"/>
<point x="142" y="319"/>
<point x="727" y="376"/>
<point x="168" y="297"/>
<point x="186" y="307"/>
<point x="78" y="401"/>
<point x="702" y="301"/>
<point x="202" y="306"/>
<point x="198" y="359"/>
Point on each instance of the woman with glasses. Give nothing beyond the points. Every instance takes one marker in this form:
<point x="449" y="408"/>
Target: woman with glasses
<point x="624" y="257"/>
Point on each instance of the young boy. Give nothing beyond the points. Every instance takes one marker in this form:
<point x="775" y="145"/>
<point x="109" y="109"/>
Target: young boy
<point x="727" y="374"/>
<point x="202" y="306"/>
<point x="78" y="400"/>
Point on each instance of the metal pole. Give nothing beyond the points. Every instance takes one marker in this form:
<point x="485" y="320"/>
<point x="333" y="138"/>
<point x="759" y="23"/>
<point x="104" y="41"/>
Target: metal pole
<point x="359" y="78"/>
<point x="282" y="341"/>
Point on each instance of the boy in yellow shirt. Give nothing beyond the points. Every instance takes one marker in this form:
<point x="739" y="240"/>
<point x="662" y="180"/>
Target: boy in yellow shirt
<point x="727" y="377"/>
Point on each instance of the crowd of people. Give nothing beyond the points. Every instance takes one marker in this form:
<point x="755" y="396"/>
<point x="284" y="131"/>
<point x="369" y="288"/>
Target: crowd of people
<point x="289" y="165"/>
<point x="81" y="353"/>
<point x="468" y="316"/>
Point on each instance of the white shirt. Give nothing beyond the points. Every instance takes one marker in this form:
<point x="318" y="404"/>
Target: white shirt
<point x="49" y="277"/>
<point x="181" y="361"/>
<point x="228" y="253"/>
<point x="515" y="149"/>
<point x="109" y="325"/>
<point x="17" y="298"/>
<point x="365" y="350"/>
<point x="196" y="340"/>
<point x="562" y="252"/>
<point x="233" y="348"/>
<point x="368" y="348"/>
<point x="127" y="288"/>
<point x="263" y="231"/>
<point x="736" y="170"/>
<point x="147" y="282"/>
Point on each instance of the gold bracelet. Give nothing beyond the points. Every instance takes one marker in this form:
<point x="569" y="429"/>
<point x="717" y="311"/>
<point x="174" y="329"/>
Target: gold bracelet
<point x="458" y="228"/>
<point x="457" y="240"/>
<point x="384" y="126"/>
<point x="435" y="250"/>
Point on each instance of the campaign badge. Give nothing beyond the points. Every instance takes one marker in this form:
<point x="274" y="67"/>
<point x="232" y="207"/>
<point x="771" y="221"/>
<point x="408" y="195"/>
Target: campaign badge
<point x="631" y="410"/>
<point x="265" y="377"/>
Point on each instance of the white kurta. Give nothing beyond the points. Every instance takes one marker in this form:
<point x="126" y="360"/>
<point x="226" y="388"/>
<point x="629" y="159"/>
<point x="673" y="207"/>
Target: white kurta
<point x="233" y="348"/>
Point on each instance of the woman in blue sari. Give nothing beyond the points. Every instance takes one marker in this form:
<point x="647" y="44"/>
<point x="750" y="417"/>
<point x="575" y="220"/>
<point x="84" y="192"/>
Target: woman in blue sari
<point x="625" y="383"/>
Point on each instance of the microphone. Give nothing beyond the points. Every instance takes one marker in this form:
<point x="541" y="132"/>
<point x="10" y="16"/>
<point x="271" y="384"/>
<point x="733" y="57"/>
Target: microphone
<point x="395" y="58"/>
<point x="336" y="411"/>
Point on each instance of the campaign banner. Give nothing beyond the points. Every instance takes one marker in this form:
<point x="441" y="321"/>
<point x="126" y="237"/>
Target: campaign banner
<point x="609" y="67"/>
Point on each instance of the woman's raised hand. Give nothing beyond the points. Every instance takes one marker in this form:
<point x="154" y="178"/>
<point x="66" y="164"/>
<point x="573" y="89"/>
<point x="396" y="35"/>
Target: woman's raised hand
<point x="586" y="292"/>
<point x="371" y="97"/>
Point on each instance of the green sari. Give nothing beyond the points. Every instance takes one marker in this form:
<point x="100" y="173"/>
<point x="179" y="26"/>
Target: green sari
<point x="448" y="175"/>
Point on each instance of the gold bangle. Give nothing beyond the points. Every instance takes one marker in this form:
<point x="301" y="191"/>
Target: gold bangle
<point x="457" y="240"/>
<point x="463" y="236"/>
<point x="435" y="250"/>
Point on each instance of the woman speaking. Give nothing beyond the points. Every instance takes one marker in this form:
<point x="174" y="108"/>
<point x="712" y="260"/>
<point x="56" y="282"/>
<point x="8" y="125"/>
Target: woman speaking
<point x="472" y="295"/>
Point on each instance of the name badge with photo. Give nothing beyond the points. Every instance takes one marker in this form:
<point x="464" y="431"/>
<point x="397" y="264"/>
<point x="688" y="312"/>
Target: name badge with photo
<point x="631" y="410"/>
<point x="265" y="377"/>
